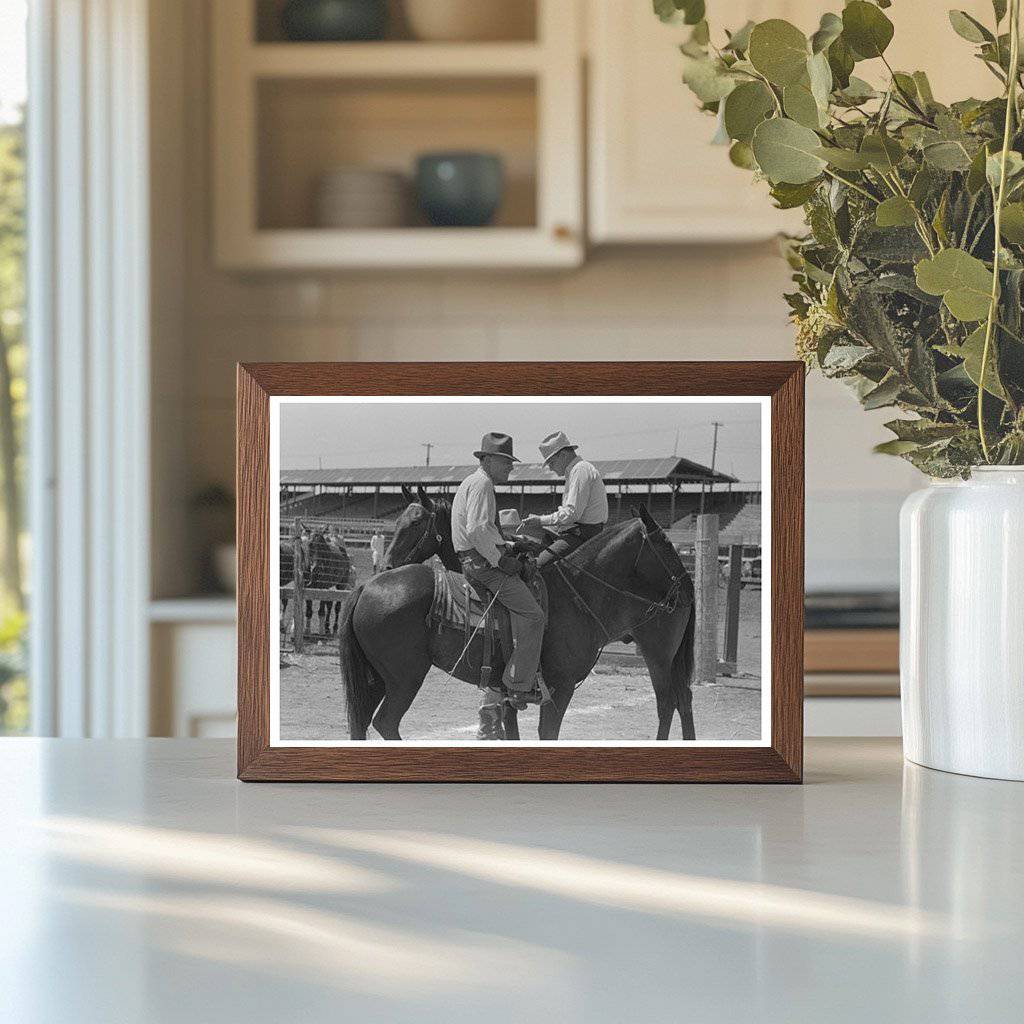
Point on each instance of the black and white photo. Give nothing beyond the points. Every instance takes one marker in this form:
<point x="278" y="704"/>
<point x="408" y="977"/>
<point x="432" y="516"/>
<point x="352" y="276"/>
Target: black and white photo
<point x="575" y="570"/>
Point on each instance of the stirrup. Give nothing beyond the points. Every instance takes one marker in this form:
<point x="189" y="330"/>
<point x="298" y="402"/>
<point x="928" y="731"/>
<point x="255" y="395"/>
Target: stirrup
<point x="539" y="695"/>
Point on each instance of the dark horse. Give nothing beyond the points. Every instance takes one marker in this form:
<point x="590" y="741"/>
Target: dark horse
<point x="328" y="567"/>
<point x="629" y="579"/>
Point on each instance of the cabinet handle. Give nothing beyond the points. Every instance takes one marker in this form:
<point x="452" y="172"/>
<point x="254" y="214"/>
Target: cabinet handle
<point x="562" y="232"/>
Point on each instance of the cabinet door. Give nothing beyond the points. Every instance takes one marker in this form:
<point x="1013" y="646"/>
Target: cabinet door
<point x="653" y="174"/>
<point x="654" y="177"/>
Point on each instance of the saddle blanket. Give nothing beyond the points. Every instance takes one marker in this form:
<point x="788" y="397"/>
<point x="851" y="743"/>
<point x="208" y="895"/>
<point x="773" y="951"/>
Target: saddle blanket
<point x="449" y="605"/>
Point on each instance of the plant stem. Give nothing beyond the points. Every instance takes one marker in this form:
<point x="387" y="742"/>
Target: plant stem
<point x="1011" y="108"/>
<point x="853" y="185"/>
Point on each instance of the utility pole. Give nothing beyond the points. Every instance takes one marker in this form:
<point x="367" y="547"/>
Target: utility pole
<point x="428" y="445"/>
<point x="714" y="453"/>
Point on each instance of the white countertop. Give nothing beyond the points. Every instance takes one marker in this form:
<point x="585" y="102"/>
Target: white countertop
<point x="140" y="882"/>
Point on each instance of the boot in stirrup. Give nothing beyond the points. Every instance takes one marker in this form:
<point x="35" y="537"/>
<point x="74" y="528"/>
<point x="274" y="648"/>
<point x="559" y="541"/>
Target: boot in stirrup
<point x="491" y="724"/>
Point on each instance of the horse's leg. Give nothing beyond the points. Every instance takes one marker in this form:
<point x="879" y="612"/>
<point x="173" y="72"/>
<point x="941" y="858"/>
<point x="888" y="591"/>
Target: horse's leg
<point x="510" y="720"/>
<point x="660" y="668"/>
<point x="552" y="713"/>
<point x="660" y="641"/>
<point x="403" y="667"/>
<point x="399" y="694"/>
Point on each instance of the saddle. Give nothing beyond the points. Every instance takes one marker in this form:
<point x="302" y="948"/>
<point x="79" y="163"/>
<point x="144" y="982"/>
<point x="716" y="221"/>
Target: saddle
<point x="458" y="606"/>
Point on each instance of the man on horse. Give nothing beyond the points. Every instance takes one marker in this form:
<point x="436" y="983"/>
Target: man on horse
<point x="487" y="563"/>
<point x="584" y="509"/>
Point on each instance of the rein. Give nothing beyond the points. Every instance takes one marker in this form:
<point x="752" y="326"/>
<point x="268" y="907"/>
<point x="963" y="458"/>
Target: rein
<point x="666" y="604"/>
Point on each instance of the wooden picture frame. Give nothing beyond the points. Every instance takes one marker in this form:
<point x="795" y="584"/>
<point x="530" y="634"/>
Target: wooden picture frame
<point x="780" y="759"/>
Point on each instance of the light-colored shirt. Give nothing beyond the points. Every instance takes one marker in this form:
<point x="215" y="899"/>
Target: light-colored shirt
<point x="377" y="545"/>
<point x="583" y="500"/>
<point x="474" y="511"/>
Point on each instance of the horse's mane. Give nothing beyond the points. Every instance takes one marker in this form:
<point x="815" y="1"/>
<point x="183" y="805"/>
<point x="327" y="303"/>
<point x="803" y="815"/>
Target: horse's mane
<point x="588" y="547"/>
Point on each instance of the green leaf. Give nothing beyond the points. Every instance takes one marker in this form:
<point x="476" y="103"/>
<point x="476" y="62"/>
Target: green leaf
<point x="741" y="155"/>
<point x="841" y="63"/>
<point x="707" y="78"/>
<point x="787" y="152"/>
<point x="922" y="431"/>
<point x="829" y="30"/>
<point x="969" y="28"/>
<point x="857" y="91"/>
<point x="844" y="159"/>
<point x="819" y="74"/>
<point x="1012" y="224"/>
<point x="895" y="212"/>
<point x="895" y="447"/>
<point x="971" y="352"/>
<point x="739" y="41"/>
<point x="999" y="8"/>
<point x="882" y="151"/>
<point x="993" y="167"/>
<point x="885" y="394"/>
<point x="801" y="106"/>
<point x="690" y="12"/>
<point x="745" y="108"/>
<point x="866" y="29"/>
<point x="788" y="196"/>
<point x="922" y="185"/>
<point x="779" y="51"/>
<point x="924" y="88"/>
<point x="976" y="174"/>
<point x="701" y="35"/>
<point x="947" y="156"/>
<point x="963" y="281"/>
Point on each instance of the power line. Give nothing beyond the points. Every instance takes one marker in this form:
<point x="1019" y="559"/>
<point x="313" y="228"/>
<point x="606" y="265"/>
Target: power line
<point x="714" y="453"/>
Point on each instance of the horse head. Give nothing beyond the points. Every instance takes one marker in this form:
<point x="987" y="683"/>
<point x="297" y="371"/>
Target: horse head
<point x="658" y="562"/>
<point x="417" y="532"/>
<point x="318" y="555"/>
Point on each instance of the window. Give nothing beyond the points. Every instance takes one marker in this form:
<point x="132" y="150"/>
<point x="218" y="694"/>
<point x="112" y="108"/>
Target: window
<point x="14" y="692"/>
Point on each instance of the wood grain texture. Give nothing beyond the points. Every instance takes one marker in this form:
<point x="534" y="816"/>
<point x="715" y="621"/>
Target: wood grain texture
<point x="852" y="650"/>
<point x="781" y="762"/>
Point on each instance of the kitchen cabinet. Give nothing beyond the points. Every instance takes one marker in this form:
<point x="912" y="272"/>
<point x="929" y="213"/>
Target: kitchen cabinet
<point x="288" y="114"/>
<point x="654" y="177"/>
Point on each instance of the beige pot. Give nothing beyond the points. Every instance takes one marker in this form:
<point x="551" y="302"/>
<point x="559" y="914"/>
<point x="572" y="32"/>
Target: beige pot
<point x="471" y="20"/>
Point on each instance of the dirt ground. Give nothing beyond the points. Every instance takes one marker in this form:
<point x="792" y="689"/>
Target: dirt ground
<point x="615" y="702"/>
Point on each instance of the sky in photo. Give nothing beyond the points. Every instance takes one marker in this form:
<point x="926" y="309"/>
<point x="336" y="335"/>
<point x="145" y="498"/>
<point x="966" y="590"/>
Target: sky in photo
<point x="344" y="435"/>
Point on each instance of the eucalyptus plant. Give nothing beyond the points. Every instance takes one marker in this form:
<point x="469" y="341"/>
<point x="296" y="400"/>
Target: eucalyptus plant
<point x="910" y="277"/>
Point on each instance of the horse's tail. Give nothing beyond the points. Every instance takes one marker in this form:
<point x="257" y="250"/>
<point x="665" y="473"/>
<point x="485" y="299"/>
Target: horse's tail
<point x="364" y="688"/>
<point x="682" y="662"/>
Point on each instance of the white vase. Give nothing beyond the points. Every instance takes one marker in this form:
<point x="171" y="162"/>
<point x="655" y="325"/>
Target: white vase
<point x="962" y="624"/>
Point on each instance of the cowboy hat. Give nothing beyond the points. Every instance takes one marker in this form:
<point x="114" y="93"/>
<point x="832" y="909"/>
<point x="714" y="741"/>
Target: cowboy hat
<point x="495" y="444"/>
<point x="553" y="444"/>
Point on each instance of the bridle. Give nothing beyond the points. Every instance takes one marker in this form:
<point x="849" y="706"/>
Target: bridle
<point x="430" y="531"/>
<point x="666" y="604"/>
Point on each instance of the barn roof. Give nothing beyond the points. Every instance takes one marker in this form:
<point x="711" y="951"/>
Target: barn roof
<point x="626" y="471"/>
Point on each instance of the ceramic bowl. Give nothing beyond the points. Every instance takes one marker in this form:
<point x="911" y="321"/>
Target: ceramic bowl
<point x="471" y="20"/>
<point x="333" y="21"/>
<point x="459" y="189"/>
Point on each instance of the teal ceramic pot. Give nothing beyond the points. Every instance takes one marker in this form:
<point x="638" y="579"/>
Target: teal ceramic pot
<point x="460" y="189"/>
<point x="334" y="21"/>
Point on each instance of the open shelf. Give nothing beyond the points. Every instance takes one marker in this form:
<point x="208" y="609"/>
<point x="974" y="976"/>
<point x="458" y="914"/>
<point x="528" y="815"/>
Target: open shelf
<point x="286" y="114"/>
<point x="520" y="24"/>
<point x="309" y="127"/>
<point x="390" y="60"/>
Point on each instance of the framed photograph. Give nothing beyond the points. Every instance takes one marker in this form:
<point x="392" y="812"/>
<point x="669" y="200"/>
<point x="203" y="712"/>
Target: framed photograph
<point x="520" y="572"/>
